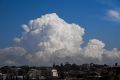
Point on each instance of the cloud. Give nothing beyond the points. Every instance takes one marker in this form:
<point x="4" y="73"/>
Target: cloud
<point x="10" y="62"/>
<point x="113" y="15"/>
<point x="26" y="28"/>
<point x="94" y="49"/>
<point x="12" y="55"/>
<point x="49" y="39"/>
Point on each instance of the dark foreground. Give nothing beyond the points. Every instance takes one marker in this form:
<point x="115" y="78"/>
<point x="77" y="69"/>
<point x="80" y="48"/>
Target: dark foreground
<point x="61" y="72"/>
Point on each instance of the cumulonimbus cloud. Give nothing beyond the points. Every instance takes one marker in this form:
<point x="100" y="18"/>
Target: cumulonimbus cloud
<point x="49" y="39"/>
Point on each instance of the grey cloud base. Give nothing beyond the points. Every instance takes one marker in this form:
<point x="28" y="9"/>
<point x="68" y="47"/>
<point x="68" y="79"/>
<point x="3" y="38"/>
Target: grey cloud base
<point x="49" y="39"/>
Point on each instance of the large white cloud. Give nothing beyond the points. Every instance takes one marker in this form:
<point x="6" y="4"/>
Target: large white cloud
<point x="49" y="39"/>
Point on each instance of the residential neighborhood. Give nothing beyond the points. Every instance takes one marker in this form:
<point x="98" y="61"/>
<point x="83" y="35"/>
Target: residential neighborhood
<point x="65" y="71"/>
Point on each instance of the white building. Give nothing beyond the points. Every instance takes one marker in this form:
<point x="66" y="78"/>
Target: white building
<point x="54" y="73"/>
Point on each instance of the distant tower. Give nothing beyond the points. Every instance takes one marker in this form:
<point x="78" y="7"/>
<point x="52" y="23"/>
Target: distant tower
<point x="116" y="64"/>
<point x="54" y="73"/>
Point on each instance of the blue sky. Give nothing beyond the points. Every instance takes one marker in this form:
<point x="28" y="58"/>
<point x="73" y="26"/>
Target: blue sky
<point x="100" y="18"/>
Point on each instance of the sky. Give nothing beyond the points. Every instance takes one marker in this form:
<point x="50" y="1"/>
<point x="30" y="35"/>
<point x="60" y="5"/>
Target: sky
<point x="41" y="32"/>
<point x="100" y="18"/>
